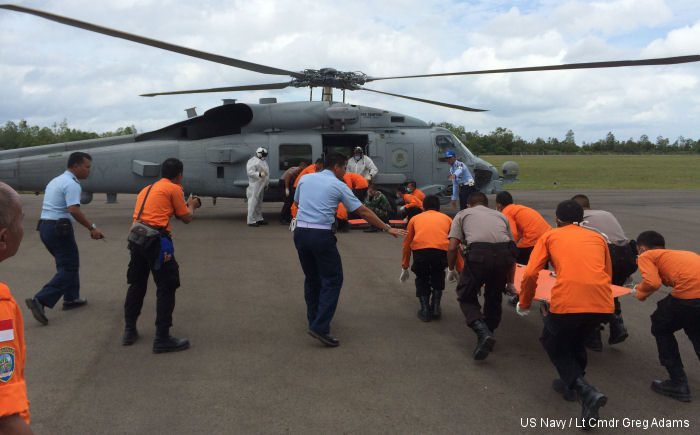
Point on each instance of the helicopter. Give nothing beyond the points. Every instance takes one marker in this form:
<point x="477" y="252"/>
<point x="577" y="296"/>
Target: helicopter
<point x="216" y="145"/>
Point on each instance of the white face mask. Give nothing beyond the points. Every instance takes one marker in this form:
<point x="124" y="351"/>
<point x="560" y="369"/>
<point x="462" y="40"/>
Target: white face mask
<point x="357" y="158"/>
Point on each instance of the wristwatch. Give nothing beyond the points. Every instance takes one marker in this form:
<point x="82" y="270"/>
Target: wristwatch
<point x="93" y="226"/>
<point x="387" y="228"/>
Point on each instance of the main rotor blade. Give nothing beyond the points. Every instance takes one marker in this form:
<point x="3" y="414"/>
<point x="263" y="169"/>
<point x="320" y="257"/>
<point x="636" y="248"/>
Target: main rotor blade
<point x="226" y="89"/>
<point x="154" y="43"/>
<point x="437" y="103"/>
<point x="584" y="65"/>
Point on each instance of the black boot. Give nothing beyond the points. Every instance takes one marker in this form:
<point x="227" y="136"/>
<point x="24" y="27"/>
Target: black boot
<point x="676" y="387"/>
<point x="167" y="343"/>
<point x="435" y="309"/>
<point x="618" y="332"/>
<point x="485" y="340"/>
<point x="591" y="400"/>
<point x="594" y="342"/>
<point x="130" y="335"/>
<point x="424" y="312"/>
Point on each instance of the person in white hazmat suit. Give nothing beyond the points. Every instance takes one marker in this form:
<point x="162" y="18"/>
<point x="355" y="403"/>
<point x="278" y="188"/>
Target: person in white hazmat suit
<point x="361" y="164"/>
<point x="258" y="179"/>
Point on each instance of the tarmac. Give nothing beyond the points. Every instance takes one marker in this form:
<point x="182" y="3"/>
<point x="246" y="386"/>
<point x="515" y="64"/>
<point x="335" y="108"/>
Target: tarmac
<point x="253" y="369"/>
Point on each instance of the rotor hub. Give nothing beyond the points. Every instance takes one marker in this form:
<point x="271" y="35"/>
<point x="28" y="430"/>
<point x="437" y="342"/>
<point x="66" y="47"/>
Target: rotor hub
<point x="330" y="77"/>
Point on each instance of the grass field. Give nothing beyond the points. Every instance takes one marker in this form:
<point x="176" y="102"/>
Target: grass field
<point x="604" y="172"/>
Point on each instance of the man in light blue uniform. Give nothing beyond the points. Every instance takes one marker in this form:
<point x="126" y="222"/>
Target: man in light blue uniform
<point x="62" y="207"/>
<point x="462" y="180"/>
<point x="317" y="197"/>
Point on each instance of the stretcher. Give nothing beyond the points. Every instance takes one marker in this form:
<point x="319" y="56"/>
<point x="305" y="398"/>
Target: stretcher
<point x="546" y="280"/>
<point x="358" y="224"/>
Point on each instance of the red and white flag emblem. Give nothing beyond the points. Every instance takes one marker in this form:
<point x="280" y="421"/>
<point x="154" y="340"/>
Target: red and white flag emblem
<point x="7" y="333"/>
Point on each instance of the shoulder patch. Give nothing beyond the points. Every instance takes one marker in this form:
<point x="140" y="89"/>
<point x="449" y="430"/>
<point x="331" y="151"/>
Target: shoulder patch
<point x="7" y="363"/>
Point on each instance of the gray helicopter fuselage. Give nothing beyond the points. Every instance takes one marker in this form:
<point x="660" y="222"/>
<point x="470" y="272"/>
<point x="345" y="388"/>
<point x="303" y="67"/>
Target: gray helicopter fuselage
<point x="215" y="147"/>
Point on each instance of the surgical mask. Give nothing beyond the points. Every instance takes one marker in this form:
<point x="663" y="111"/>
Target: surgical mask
<point x="409" y="190"/>
<point x="357" y="158"/>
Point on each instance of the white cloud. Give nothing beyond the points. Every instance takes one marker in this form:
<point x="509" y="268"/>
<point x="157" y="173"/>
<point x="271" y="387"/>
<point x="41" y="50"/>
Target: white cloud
<point x="50" y="72"/>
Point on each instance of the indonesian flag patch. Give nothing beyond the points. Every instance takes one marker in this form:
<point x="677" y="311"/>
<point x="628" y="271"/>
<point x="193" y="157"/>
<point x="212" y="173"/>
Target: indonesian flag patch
<point x="7" y="333"/>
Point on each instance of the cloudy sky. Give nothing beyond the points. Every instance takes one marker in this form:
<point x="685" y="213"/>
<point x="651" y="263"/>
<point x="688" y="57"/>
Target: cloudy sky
<point x="50" y="72"/>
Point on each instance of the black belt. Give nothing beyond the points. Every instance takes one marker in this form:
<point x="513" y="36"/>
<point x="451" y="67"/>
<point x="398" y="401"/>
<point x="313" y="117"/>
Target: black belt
<point x="485" y="245"/>
<point x="47" y="221"/>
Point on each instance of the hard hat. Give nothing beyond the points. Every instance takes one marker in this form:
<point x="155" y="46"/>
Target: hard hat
<point x="450" y="153"/>
<point x="261" y="152"/>
<point x="358" y="150"/>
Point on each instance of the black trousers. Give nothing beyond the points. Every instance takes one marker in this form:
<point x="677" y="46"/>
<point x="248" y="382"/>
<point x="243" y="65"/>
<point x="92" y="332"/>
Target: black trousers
<point x="673" y="314"/>
<point x="429" y="266"/>
<point x="488" y="264"/>
<point x="624" y="264"/>
<point x="464" y="192"/>
<point x="286" y="212"/>
<point x="524" y="255"/>
<point x="412" y="211"/>
<point x="563" y="338"/>
<point x="167" y="279"/>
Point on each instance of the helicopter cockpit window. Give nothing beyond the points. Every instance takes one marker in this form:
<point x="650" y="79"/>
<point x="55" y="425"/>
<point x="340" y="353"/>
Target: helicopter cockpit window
<point x="446" y="142"/>
<point x="293" y="154"/>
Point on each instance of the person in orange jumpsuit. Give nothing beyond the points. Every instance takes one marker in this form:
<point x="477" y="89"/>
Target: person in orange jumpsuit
<point x="316" y="167"/>
<point x="154" y="207"/>
<point x="581" y="300"/>
<point x="358" y="184"/>
<point x="412" y="205"/>
<point x="427" y="240"/>
<point x="527" y="226"/>
<point x="679" y="310"/>
<point x="413" y="190"/>
<point x="14" y="406"/>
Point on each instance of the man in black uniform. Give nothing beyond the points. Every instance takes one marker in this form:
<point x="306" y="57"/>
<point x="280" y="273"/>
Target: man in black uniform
<point x="623" y="254"/>
<point x="155" y="204"/>
<point x="490" y="257"/>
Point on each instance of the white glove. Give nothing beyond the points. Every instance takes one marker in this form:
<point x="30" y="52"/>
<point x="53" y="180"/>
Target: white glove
<point x="470" y="182"/>
<point x="263" y="174"/>
<point x="404" y="275"/>
<point x="286" y="192"/>
<point x="634" y="291"/>
<point x="452" y="275"/>
<point x="293" y="225"/>
<point x="520" y="311"/>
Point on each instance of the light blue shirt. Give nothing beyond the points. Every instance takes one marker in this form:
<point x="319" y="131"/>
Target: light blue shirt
<point x="61" y="192"/>
<point x="462" y="175"/>
<point x="318" y="196"/>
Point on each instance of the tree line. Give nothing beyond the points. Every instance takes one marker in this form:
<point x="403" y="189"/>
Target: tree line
<point x="500" y="141"/>
<point x="22" y="135"/>
<point x="503" y="141"/>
